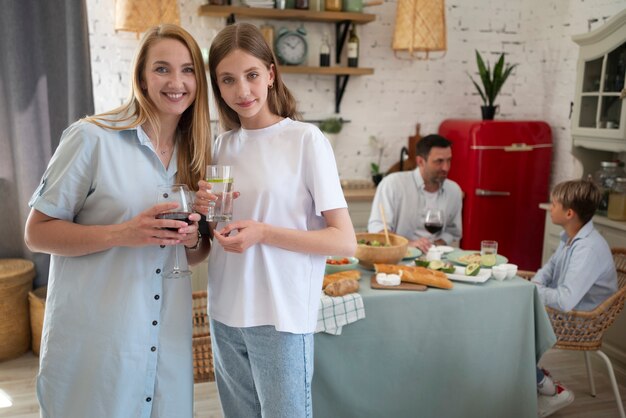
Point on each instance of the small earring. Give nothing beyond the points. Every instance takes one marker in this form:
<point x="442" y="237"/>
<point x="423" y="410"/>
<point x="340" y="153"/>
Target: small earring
<point x="270" y="86"/>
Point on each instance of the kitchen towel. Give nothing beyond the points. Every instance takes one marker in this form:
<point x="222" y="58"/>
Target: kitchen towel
<point x="335" y="312"/>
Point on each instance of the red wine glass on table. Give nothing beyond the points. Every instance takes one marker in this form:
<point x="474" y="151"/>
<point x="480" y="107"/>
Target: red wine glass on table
<point x="176" y="193"/>
<point x="433" y="222"/>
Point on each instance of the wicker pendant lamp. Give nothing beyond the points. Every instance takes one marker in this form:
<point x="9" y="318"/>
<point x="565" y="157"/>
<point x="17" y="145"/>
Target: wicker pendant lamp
<point x="420" y="28"/>
<point x="139" y="15"/>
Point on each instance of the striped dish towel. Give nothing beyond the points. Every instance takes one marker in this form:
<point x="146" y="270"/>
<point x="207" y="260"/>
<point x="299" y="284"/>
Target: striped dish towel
<point x="335" y="312"/>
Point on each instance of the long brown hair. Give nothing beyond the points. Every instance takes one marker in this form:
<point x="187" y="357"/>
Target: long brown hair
<point x="248" y="38"/>
<point x="194" y="142"/>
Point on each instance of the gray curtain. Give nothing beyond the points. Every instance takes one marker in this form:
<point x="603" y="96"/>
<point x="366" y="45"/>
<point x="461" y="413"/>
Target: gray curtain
<point x="45" y="84"/>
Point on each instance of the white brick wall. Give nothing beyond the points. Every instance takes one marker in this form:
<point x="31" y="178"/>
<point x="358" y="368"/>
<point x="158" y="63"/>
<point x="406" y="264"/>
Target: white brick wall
<point x="535" y="33"/>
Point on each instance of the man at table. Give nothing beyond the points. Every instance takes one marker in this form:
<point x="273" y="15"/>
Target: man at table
<point x="405" y="196"/>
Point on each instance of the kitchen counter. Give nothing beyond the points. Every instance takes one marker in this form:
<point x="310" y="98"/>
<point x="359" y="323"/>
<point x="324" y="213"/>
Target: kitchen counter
<point x="359" y="195"/>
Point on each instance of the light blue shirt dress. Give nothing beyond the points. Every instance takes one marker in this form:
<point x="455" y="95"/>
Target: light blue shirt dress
<point x="117" y="336"/>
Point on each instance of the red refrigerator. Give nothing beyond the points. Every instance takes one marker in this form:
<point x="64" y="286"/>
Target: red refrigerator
<point x="503" y="168"/>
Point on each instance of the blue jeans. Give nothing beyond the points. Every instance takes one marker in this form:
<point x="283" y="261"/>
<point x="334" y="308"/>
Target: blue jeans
<point x="540" y="375"/>
<point x="261" y="372"/>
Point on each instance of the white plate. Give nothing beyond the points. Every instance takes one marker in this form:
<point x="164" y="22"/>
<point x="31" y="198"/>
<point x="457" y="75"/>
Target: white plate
<point x="444" y="248"/>
<point x="459" y="275"/>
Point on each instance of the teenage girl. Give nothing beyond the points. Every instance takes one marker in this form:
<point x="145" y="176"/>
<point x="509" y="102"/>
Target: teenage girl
<point x="265" y="276"/>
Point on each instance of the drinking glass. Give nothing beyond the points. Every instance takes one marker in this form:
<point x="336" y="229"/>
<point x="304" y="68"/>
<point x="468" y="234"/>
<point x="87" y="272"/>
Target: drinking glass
<point x="433" y="222"/>
<point x="178" y="193"/>
<point x="220" y="177"/>
<point x="488" y="252"/>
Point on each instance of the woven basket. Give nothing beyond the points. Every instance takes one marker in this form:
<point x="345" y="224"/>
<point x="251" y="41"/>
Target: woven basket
<point x="202" y="354"/>
<point x="37" y="304"/>
<point x="139" y="15"/>
<point x="16" y="279"/>
<point x="420" y="27"/>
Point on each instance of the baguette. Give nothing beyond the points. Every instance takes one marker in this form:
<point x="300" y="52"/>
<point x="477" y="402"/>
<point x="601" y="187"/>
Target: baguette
<point x="418" y="275"/>
<point x="342" y="287"/>
<point x="349" y="274"/>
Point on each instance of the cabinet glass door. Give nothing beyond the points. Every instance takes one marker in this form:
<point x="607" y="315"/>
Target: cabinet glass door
<point x="603" y="81"/>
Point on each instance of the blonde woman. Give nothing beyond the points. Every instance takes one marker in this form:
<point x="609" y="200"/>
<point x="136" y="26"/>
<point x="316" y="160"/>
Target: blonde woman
<point x="117" y="335"/>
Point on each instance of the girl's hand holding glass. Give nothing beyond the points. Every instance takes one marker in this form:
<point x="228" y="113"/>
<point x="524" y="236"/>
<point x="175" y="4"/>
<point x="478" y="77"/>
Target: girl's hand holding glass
<point x="249" y="233"/>
<point x="205" y="198"/>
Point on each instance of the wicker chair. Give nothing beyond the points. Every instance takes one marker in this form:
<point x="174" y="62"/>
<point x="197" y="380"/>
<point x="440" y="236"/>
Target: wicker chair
<point x="583" y="330"/>
<point x="202" y="355"/>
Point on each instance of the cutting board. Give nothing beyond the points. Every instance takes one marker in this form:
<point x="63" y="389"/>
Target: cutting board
<point x="402" y="286"/>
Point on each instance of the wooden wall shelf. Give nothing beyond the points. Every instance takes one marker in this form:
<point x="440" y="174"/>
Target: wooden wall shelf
<point x="342" y="21"/>
<point x="299" y="69"/>
<point x="285" y="14"/>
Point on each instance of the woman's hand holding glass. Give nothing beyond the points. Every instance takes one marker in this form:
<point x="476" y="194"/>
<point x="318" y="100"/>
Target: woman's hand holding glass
<point x="186" y="221"/>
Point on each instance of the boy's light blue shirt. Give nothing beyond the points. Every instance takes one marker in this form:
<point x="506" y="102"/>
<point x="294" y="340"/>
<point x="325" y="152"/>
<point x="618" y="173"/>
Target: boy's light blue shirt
<point x="579" y="275"/>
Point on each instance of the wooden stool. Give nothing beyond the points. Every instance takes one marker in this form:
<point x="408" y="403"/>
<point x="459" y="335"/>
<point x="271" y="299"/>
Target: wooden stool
<point x="16" y="280"/>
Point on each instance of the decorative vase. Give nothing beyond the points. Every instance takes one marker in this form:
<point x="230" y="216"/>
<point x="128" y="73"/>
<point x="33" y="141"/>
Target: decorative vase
<point x="488" y="112"/>
<point x="376" y="178"/>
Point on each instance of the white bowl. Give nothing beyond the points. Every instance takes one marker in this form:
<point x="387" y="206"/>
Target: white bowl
<point x="433" y="254"/>
<point x="499" y="272"/>
<point x="511" y="270"/>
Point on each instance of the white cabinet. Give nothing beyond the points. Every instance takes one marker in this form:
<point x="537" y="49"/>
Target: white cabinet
<point x="599" y="114"/>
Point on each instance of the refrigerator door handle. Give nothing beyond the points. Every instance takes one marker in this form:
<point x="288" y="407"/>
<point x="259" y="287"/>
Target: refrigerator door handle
<point x="483" y="192"/>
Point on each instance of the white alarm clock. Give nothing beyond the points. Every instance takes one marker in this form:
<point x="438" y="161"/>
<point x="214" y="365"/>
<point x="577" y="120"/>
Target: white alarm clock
<point x="291" y="47"/>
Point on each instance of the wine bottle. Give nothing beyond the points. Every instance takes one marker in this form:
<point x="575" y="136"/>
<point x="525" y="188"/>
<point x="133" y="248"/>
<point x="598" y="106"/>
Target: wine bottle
<point x="302" y="4"/>
<point x="353" y="48"/>
<point x="325" y="52"/>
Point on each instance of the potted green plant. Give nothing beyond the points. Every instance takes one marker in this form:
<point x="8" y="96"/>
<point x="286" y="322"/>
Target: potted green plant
<point x="377" y="175"/>
<point x="492" y="82"/>
<point x="331" y="125"/>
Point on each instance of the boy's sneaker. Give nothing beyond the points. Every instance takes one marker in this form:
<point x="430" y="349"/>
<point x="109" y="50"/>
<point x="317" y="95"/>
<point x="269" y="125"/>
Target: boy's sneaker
<point x="548" y="405"/>
<point x="547" y="386"/>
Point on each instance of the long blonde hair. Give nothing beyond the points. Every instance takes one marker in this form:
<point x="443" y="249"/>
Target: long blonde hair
<point x="194" y="142"/>
<point x="248" y="38"/>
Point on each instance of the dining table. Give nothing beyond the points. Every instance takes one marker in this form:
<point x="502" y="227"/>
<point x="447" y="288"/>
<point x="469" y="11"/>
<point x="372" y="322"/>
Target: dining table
<point x="467" y="352"/>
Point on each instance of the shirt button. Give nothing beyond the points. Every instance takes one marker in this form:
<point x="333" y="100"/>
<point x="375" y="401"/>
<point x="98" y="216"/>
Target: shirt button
<point x="158" y="271"/>
<point x="156" y="297"/>
<point x="148" y="399"/>
<point x="154" y="322"/>
<point x="162" y="246"/>
<point x="153" y="348"/>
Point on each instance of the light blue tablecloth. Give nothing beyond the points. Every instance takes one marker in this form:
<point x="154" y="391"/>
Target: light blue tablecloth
<point x="466" y="352"/>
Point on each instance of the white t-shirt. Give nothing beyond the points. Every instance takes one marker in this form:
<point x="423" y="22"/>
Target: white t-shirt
<point x="287" y="177"/>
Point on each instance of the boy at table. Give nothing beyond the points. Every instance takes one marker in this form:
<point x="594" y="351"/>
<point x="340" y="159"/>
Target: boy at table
<point x="580" y="274"/>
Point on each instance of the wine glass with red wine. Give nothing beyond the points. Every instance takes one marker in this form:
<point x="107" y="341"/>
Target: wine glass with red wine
<point x="176" y="193"/>
<point x="433" y="222"/>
